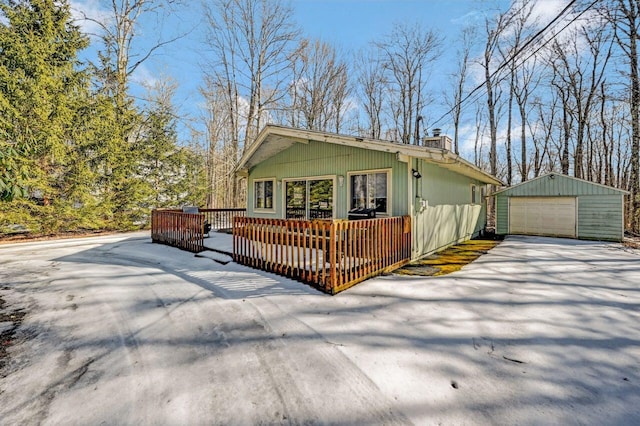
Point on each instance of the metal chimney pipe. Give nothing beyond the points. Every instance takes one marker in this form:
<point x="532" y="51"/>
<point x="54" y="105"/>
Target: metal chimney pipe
<point x="417" y="137"/>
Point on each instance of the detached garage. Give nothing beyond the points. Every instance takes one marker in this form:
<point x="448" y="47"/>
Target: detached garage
<point x="561" y="206"/>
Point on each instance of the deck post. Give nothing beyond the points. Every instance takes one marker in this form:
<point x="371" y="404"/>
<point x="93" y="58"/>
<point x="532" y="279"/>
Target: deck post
<point x="333" y="248"/>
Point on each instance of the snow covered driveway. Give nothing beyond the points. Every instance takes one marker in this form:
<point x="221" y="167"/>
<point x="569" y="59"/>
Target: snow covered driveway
<point x="119" y="330"/>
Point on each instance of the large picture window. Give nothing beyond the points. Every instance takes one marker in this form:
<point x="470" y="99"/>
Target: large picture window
<point x="263" y="195"/>
<point x="370" y="191"/>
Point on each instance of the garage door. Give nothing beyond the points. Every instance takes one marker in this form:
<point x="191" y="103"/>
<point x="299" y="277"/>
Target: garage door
<point x="554" y="216"/>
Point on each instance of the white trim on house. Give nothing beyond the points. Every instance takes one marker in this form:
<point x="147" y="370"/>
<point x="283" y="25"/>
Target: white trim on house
<point x="388" y="171"/>
<point x="410" y="189"/>
<point x="623" y="214"/>
<point x="273" y="196"/>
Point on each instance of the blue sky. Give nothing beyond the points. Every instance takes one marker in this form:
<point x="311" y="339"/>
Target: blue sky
<point x="349" y="24"/>
<point x="353" y="23"/>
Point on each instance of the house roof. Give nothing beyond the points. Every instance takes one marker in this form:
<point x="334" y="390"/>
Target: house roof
<point x="536" y="184"/>
<point x="274" y="139"/>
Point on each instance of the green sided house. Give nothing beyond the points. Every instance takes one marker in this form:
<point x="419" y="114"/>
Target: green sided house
<point x="302" y="174"/>
<point x="561" y="206"/>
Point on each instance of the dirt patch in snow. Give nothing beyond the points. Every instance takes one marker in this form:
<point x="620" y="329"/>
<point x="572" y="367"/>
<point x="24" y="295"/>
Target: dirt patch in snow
<point x="28" y="237"/>
<point x="449" y="260"/>
<point x="632" y="242"/>
<point x="10" y="321"/>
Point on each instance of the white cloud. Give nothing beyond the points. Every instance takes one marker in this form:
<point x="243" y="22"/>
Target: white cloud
<point x="467" y="137"/>
<point x="546" y="10"/>
<point x="144" y="76"/>
<point x="467" y="140"/>
<point x="351" y="105"/>
<point x="87" y="14"/>
<point x="470" y="18"/>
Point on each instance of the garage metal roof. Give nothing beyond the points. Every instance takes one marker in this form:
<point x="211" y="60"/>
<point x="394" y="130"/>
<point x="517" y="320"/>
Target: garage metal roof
<point x="556" y="184"/>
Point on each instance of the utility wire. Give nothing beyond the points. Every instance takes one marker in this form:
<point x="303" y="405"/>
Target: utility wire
<point x="510" y="59"/>
<point x="578" y="16"/>
<point x="524" y="60"/>
<point x="520" y="50"/>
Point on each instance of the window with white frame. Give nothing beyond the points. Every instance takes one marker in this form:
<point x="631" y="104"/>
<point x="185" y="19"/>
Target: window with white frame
<point x="474" y="194"/>
<point x="370" y="190"/>
<point x="263" y="195"/>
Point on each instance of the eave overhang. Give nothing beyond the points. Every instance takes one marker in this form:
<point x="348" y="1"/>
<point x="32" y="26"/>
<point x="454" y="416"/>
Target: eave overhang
<point x="275" y="139"/>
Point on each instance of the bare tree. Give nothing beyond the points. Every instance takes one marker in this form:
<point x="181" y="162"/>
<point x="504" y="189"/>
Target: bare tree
<point x="558" y="83"/>
<point x="371" y="83"/>
<point x="406" y="53"/>
<point x="541" y="132"/>
<point x="526" y="81"/>
<point x="494" y="28"/>
<point x="579" y="77"/>
<point x="625" y="15"/>
<point x="518" y="31"/>
<point x="320" y="86"/>
<point x="219" y="147"/>
<point x="221" y="83"/>
<point x="467" y="40"/>
<point x="339" y="98"/>
<point x="480" y="131"/>
<point x="607" y="139"/>
<point x="121" y="56"/>
<point x="250" y="44"/>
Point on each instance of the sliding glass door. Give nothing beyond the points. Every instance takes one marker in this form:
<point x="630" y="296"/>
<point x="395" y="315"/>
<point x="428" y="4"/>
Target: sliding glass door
<point x="309" y="199"/>
<point x="296" y="202"/>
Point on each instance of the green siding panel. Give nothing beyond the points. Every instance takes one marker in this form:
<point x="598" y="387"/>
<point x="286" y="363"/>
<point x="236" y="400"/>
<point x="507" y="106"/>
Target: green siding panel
<point x="600" y="217"/>
<point x="446" y="216"/>
<point x="315" y="159"/>
<point x="502" y="214"/>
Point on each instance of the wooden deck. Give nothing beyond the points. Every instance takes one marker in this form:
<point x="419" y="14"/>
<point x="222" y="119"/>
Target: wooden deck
<point x="331" y="255"/>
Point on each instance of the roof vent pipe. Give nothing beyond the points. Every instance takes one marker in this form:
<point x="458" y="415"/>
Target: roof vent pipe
<point x="436" y="132"/>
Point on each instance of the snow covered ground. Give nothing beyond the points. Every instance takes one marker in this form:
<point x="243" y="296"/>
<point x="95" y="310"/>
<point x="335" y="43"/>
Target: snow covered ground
<point x="119" y="330"/>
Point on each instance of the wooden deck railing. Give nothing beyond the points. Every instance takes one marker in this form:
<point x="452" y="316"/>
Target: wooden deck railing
<point x="178" y="229"/>
<point x="330" y="255"/>
<point x="222" y="218"/>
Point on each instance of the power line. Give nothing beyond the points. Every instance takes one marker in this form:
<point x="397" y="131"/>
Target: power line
<point x="520" y="50"/>
<point x="507" y="61"/>
<point x="535" y="36"/>
<point x="578" y="16"/>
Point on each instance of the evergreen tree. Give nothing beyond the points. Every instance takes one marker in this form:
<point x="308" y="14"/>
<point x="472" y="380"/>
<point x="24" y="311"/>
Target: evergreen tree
<point x="170" y="171"/>
<point x="41" y="90"/>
